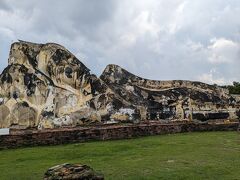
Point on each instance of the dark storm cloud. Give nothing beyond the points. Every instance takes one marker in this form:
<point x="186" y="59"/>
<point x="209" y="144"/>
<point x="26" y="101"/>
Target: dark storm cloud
<point x="4" y="5"/>
<point x="158" y="39"/>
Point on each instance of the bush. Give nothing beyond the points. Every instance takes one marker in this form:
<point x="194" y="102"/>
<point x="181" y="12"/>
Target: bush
<point x="233" y="89"/>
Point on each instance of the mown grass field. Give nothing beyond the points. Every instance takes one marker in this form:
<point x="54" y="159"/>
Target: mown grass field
<point x="208" y="155"/>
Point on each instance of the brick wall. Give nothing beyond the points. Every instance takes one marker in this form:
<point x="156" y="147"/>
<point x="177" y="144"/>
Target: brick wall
<point x="81" y="134"/>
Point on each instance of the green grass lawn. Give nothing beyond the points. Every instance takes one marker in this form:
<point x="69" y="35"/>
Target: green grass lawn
<point x="208" y="155"/>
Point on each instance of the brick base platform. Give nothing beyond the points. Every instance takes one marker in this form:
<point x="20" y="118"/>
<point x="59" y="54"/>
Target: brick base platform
<point x="82" y="134"/>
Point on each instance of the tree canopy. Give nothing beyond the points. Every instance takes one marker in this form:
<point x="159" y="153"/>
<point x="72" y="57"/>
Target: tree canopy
<point x="234" y="89"/>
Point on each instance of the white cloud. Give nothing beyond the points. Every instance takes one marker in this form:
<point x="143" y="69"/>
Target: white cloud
<point x="144" y="23"/>
<point x="7" y="32"/>
<point x="224" y="51"/>
<point x="211" y="78"/>
<point x="215" y="77"/>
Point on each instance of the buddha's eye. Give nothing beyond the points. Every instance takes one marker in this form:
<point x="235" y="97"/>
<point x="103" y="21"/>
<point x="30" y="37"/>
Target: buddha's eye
<point x="68" y="72"/>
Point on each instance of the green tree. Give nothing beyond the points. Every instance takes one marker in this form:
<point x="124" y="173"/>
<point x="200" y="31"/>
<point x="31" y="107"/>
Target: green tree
<point x="235" y="88"/>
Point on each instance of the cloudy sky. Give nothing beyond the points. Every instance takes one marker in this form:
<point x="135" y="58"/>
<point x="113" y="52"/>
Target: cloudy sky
<point x="156" y="39"/>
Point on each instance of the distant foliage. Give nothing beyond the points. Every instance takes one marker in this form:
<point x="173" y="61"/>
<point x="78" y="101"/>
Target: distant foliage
<point x="234" y="89"/>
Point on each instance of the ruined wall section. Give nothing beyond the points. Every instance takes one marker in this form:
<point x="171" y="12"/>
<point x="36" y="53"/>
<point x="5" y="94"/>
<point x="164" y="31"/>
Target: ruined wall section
<point x="115" y="72"/>
<point x="46" y="86"/>
<point x="42" y="85"/>
<point x="171" y="99"/>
